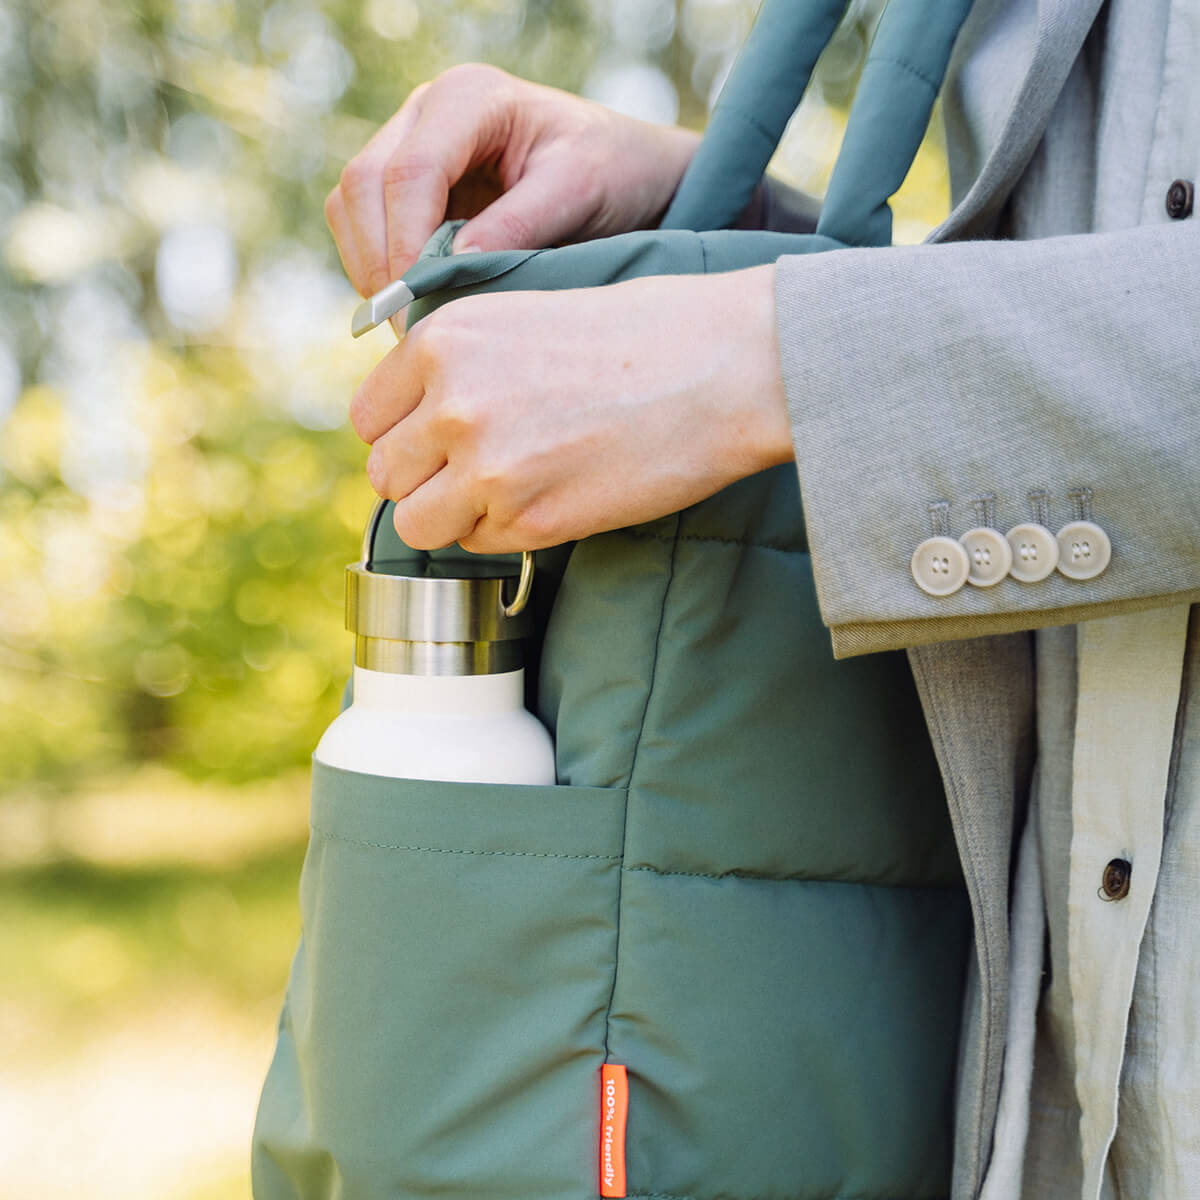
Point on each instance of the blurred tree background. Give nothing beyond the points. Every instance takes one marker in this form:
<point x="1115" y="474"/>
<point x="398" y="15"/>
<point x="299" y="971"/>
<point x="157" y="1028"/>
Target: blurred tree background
<point x="179" y="492"/>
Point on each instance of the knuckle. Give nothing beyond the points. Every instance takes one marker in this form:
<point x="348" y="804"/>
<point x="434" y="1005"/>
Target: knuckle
<point x="378" y="473"/>
<point x="479" y="542"/>
<point x="355" y="179"/>
<point x="457" y="420"/>
<point x="536" y="527"/>
<point x="360" y="414"/>
<point x="417" y="95"/>
<point x="592" y="194"/>
<point x="496" y="478"/>
<point x="467" y="417"/>
<point x="406" y="167"/>
<point x="333" y="203"/>
<point x="408" y="530"/>
<point x="430" y="344"/>
<point x="516" y="230"/>
<point x="475" y="76"/>
<point x="378" y="277"/>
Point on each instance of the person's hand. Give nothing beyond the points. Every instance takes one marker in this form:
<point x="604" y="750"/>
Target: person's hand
<point x="519" y="420"/>
<point x="531" y="167"/>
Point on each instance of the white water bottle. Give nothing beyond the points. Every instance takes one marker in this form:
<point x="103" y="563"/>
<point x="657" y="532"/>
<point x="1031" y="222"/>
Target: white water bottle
<point x="439" y="677"/>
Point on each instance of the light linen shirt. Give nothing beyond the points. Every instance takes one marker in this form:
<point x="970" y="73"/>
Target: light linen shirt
<point x="1101" y="1092"/>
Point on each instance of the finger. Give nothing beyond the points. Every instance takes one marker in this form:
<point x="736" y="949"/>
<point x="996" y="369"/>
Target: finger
<point x="539" y="210"/>
<point x="338" y="221"/>
<point x="492" y="537"/>
<point x="362" y="191"/>
<point x="403" y="459"/>
<point x="389" y="394"/>
<point x="436" y="514"/>
<point x="464" y="122"/>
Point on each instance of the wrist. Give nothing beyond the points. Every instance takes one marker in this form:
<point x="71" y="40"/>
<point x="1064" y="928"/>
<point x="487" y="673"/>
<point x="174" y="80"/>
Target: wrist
<point x="672" y="148"/>
<point x="679" y="147"/>
<point x="758" y="430"/>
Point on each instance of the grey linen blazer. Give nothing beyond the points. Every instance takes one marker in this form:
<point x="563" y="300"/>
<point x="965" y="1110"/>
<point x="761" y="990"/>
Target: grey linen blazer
<point x="973" y="365"/>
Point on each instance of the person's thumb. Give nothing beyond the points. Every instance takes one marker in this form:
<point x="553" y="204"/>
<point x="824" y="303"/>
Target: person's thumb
<point x="535" y="212"/>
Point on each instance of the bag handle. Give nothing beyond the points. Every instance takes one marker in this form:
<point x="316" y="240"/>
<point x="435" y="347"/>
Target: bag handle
<point x="888" y="117"/>
<point x="900" y="81"/>
<point x="766" y="83"/>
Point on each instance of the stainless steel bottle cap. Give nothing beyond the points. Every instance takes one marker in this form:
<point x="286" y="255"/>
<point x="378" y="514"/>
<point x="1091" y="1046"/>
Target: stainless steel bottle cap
<point x="454" y="602"/>
<point x="436" y="623"/>
<point x="433" y="624"/>
<point x="436" y="616"/>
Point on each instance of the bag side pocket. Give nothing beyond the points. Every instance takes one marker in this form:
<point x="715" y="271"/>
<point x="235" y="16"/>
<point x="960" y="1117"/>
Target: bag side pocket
<point x="444" y="1020"/>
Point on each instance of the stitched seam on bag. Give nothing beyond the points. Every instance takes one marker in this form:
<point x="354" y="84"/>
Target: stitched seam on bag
<point x="818" y="879"/>
<point x="720" y="541"/>
<point x="339" y="837"/>
<point x="662" y="616"/>
<point x="749" y="119"/>
<point x="931" y="84"/>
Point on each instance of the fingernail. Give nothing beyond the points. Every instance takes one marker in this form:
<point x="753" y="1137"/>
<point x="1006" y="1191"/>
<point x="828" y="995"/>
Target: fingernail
<point x="467" y="248"/>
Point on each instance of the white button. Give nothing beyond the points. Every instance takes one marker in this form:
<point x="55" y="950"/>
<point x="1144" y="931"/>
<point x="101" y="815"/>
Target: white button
<point x="988" y="554"/>
<point x="939" y="565"/>
<point x="1083" y="550"/>
<point x="1034" y="551"/>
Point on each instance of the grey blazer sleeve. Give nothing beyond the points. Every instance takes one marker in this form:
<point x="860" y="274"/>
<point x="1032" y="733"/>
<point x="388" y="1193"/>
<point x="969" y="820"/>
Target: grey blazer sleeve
<point x="944" y="372"/>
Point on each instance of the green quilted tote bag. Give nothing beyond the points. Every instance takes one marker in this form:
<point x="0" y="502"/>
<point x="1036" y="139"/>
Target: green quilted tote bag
<point x="722" y="959"/>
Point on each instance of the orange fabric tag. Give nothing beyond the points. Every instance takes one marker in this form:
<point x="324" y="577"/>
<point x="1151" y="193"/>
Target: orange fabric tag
<point x="614" y="1107"/>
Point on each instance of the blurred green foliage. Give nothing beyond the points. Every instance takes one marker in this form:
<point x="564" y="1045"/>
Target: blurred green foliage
<point x="178" y="489"/>
<point x="179" y="494"/>
<point x="90" y="938"/>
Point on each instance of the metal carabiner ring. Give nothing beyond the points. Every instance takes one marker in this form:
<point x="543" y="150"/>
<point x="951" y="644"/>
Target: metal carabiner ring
<point x="524" y="585"/>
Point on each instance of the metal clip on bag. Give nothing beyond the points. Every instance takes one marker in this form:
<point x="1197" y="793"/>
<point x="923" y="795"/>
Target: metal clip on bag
<point x="743" y="889"/>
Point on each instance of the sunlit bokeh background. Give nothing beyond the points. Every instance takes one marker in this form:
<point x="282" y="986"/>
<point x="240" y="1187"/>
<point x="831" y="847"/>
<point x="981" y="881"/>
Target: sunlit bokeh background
<point x="179" y="492"/>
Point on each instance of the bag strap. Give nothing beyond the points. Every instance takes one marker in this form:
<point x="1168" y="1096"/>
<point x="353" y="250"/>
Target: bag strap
<point x="764" y="86"/>
<point x="888" y="118"/>
<point x="900" y="81"/>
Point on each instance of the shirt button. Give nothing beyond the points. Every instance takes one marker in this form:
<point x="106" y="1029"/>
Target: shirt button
<point x="1180" y="196"/>
<point x="1034" y="552"/>
<point x="1084" y="550"/>
<point x="1115" y="883"/>
<point x="939" y="565"/>
<point x="989" y="555"/>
